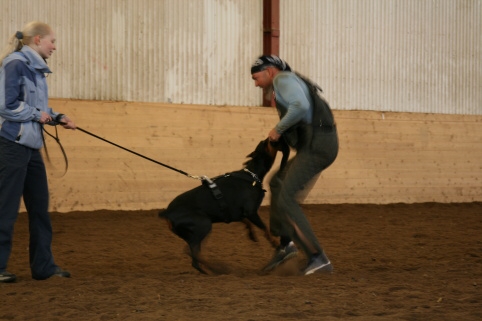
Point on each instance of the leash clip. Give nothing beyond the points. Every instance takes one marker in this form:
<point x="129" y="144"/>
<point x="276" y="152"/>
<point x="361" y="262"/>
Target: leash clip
<point x="214" y="188"/>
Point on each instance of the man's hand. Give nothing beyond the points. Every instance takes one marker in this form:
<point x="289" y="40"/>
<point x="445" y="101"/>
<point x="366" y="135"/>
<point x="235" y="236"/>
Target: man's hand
<point x="273" y="135"/>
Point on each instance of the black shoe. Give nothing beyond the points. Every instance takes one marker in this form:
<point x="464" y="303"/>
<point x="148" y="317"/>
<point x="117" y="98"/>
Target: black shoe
<point x="61" y="273"/>
<point x="7" y="277"/>
<point x="281" y="255"/>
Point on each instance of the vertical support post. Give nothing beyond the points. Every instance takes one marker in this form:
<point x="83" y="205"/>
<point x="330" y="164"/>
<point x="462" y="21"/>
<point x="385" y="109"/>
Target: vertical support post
<point x="271" y="33"/>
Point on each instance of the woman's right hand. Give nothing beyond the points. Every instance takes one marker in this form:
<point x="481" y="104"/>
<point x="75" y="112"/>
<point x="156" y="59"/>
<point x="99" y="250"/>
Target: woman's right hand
<point x="67" y="123"/>
<point x="44" y="117"/>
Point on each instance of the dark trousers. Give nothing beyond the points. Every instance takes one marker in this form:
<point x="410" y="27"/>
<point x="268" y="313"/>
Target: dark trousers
<point x="295" y="180"/>
<point x="22" y="173"/>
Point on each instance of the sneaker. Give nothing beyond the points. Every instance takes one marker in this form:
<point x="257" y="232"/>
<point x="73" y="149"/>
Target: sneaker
<point x="281" y="255"/>
<point x="61" y="273"/>
<point x="318" y="264"/>
<point x="7" y="277"/>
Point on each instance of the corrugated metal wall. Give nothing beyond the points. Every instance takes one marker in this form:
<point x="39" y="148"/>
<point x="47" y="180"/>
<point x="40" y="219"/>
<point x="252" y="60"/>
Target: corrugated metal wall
<point x="180" y="51"/>
<point x="387" y="55"/>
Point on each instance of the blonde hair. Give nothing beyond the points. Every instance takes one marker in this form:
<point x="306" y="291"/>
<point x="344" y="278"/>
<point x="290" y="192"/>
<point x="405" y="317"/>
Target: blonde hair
<point x="30" y="30"/>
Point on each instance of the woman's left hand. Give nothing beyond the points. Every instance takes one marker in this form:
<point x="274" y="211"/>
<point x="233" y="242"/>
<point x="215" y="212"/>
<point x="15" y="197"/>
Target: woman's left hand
<point x="68" y="123"/>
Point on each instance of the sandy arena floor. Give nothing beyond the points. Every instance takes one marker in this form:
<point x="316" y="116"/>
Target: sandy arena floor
<point x="392" y="262"/>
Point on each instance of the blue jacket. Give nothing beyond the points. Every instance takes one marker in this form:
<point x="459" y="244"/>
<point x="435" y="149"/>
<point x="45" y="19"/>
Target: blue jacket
<point x="23" y="95"/>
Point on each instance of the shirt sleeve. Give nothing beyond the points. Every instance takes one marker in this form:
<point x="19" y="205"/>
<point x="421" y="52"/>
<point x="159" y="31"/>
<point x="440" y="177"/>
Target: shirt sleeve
<point x="14" y="107"/>
<point x="298" y="105"/>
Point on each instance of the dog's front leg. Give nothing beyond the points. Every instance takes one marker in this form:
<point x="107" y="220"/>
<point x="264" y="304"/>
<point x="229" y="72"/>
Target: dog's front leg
<point x="249" y="227"/>
<point x="267" y="234"/>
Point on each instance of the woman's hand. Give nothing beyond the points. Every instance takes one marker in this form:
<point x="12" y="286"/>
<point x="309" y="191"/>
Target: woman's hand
<point x="67" y="123"/>
<point x="44" y="118"/>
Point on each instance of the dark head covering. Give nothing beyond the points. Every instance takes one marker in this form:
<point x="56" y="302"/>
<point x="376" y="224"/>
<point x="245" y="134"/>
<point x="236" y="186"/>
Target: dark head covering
<point x="264" y="62"/>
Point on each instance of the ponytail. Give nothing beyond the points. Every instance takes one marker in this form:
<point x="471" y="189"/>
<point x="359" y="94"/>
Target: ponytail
<point x="14" y="44"/>
<point x="25" y="37"/>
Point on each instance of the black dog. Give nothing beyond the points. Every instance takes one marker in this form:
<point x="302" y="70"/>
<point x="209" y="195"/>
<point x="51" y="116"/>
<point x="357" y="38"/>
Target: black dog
<point x="233" y="197"/>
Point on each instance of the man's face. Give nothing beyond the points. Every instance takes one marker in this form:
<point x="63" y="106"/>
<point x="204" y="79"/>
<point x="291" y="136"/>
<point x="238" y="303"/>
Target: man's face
<point x="262" y="79"/>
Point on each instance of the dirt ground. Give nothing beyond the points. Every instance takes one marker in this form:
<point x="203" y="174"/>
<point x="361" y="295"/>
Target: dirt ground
<point x="392" y="262"/>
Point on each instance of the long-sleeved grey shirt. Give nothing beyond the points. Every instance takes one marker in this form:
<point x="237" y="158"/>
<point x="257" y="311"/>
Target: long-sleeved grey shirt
<point x="293" y="99"/>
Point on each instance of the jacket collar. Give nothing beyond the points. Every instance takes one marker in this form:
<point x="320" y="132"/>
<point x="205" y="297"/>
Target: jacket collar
<point x="32" y="59"/>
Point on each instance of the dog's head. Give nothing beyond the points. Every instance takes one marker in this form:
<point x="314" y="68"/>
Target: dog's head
<point x="262" y="158"/>
<point x="281" y="146"/>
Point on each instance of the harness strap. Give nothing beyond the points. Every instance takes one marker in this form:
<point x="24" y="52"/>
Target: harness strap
<point x="214" y="188"/>
<point x="218" y="195"/>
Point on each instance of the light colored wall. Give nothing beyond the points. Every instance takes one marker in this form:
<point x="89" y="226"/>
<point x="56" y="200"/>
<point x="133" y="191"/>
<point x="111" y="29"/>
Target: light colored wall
<point x="384" y="157"/>
<point x="180" y="51"/>
<point x="388" y="55"/>
<point x="384" y="55"/>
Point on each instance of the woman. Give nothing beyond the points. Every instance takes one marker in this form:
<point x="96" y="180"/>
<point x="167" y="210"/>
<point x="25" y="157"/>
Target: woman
<point x="23" y="112"/>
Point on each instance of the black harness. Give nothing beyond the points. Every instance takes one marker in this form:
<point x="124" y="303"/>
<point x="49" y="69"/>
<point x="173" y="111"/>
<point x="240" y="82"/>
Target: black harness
<point x="218" y="195"/>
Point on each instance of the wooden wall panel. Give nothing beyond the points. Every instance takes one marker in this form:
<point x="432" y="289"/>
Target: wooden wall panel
<point x="384" y="157"/>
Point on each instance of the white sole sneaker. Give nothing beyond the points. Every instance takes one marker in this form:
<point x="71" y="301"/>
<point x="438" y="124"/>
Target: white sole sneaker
<point x="7" y="277"/>
<point x="281" y="256"/>
<point x="319" y="267"/>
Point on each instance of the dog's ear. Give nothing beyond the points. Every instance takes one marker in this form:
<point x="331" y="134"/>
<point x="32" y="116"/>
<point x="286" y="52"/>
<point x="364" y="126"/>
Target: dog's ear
<point x="251" y="155"/>
<point x="285" y="150"/>
<point x="283" y="147"/>
<point x="259" y="150"/>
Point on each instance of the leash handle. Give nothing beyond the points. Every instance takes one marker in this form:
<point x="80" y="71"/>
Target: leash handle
<point x="57" y="139"/>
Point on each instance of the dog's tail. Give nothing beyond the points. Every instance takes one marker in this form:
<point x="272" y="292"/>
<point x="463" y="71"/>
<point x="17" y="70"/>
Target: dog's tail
<point x="162" y="213"/>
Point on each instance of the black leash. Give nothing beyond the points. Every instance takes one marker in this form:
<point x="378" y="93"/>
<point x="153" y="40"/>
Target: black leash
<point x="116" y="145"/>
<point x="217" y="194"/>
<point x="133" y="152"/>
<point x="57" y="139"/>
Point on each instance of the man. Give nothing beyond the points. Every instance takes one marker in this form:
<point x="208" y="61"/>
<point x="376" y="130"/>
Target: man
<point x="315" y="140"/>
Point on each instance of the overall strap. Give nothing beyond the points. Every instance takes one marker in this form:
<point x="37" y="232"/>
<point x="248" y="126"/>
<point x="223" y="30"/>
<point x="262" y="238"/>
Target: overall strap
<point x="322" y="115"/>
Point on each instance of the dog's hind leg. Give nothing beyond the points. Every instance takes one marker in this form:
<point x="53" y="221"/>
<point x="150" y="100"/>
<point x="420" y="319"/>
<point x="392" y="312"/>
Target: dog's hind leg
<point x="195" y="250"/>
<point x="199" y="231"/>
